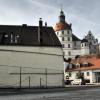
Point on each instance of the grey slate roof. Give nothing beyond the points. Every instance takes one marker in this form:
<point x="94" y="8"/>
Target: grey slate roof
<point x="84" y="40"/>
<point x="28" y="35"/>
<point x="74" y="38"/>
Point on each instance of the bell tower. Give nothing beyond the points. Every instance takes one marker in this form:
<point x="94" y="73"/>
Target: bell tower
<point x="62" y="17"/>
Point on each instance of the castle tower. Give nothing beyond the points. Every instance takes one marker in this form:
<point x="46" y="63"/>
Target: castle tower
<point x="63" y="31"/>
<point x="84" y="47"/>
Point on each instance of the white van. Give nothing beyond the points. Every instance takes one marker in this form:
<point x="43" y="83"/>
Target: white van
<point x="76" y="82"/>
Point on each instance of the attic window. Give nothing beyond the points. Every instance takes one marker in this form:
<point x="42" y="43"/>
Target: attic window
<point x="85" y="65"/>
<point x="6" y="35"/>
<point x="16" y="38"/>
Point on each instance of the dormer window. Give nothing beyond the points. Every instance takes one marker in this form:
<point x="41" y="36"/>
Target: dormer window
<point x="6" y="35"/>
<point x="16" y="38"/>
<point x="85" y="64"/>
<point x="11" y="36"/>
<point x="77" y="65"/>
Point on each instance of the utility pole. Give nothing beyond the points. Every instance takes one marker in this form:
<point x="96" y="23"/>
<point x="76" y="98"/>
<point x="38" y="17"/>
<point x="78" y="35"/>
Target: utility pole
<point x="63" y="78"/>
<point x="40" y="82"/>
<point x="20" y="77"/>
<point x="46" y="76"/>
<point x="29" y="81"/>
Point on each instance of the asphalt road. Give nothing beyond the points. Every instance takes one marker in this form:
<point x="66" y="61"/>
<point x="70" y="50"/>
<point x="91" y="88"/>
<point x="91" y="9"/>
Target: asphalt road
<point x="87" y="94"/>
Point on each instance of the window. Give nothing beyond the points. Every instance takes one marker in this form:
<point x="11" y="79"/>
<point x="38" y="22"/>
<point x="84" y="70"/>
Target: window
<point x="16" y="38"/>
<point x="63" y="53"/>
<point x="69" y="53"/>
<point x="75" y="43"/>
<point x="76" y="75"/>
<point x="85" y="44"/>
<point x="62" y="32"/>
<point x="77" y="65"/>
<point x="6" y="35"/>
<point x="82" y="45"/>
<point x="62" y="38"/>
<point x="12" y="39"/>
<point x="88" y="74"/>
<point x="68" y="45"/>
<point x="63" y="45"/>
<point x="57" y="33"/>
<point x="68" y="38"/>
<point x="85" y="64"/>
<point x="82" y="74"/>
<point x="68" y="32"/>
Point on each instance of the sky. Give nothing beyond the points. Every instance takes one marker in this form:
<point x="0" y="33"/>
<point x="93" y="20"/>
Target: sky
<point x="83" y="14"/>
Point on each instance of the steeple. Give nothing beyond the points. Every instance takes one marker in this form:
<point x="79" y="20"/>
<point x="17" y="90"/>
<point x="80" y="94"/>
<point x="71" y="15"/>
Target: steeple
<point x="62" y="17"/>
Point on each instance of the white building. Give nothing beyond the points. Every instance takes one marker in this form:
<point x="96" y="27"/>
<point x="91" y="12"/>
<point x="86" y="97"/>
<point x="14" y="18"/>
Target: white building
<point x="35" y="58"/>
<point x="71" y="44"/>
<point x="88" y="66"/>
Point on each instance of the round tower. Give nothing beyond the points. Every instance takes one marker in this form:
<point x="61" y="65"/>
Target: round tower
<point x="64" y="33"/>
<point x="85" y="47"/>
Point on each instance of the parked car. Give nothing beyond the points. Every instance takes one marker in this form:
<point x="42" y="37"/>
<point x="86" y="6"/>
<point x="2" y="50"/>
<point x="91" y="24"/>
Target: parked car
<point x="78" y="82"/>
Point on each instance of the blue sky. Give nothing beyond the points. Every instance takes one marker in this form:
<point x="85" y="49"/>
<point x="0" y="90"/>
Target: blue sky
<point x="83" y="14"/>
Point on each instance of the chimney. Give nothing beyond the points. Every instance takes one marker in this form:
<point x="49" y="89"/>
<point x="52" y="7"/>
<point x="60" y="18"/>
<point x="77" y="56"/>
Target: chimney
<point x="40" y="37"/>
<point x="45" y="24"/>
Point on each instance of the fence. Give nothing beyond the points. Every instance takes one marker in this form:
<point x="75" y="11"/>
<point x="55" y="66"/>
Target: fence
<point x="16" y="76"/>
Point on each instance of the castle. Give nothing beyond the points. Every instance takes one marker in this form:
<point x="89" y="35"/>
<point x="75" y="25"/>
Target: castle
<point x="71" y="44"/>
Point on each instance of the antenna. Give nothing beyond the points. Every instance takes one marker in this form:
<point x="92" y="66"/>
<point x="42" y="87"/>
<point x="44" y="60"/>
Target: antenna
<point x="61" y="7"/>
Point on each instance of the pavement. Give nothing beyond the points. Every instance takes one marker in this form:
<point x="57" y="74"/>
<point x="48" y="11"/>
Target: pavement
<point x="79" y="94"/>
<point x="20" y="91"/>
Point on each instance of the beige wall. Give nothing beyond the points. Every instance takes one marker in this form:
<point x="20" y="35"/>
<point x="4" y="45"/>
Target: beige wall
<point x="32" y="60"/>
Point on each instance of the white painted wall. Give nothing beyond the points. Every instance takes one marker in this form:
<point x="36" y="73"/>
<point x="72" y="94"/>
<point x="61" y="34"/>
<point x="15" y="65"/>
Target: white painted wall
<point x="90" y="77"/>
<point x="36" y="59"/>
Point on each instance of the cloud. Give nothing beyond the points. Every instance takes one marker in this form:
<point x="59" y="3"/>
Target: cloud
<point x="83" y="14"/>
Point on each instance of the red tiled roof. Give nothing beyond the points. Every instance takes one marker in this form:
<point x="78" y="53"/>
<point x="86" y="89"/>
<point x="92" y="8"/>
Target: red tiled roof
<point x="94" y="60"/>
<point x="62" y="26"/>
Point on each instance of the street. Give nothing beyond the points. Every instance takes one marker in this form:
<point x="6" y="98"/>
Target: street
<point x="88" y="94"/>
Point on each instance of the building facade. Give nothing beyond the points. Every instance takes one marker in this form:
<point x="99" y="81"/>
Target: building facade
<point x="88" y="66"/>
<point x="30" y="56"/>
<point x="71" y="44"/>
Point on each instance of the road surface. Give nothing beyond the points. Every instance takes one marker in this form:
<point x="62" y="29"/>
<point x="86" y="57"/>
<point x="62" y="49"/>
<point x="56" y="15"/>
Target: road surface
<point x="87" y="94"/>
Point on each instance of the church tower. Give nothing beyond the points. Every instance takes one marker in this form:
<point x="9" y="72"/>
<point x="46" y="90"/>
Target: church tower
<point x="64" y="33"/>
<point x="62" y="17"/>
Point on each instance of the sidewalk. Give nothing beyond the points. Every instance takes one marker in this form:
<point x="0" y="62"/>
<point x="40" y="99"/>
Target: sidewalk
<point x="20" y="91"/>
